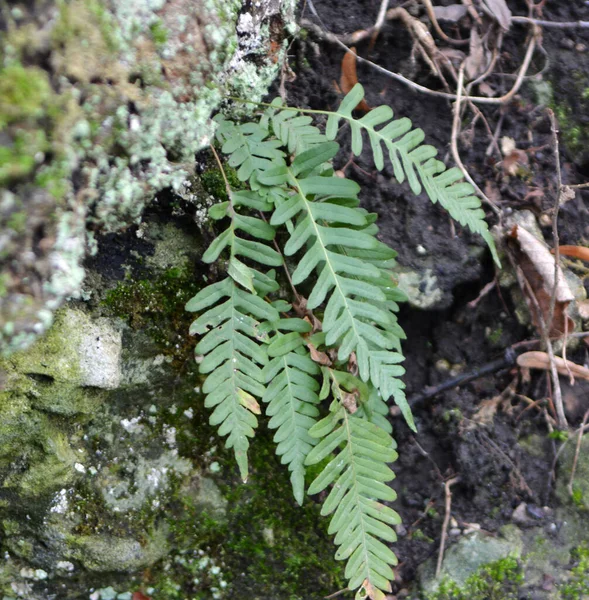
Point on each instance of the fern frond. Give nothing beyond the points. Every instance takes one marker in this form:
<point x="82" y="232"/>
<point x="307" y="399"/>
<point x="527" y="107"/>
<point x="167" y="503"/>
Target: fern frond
<point x="233" y="358"/>
<point x="412" y="160"/>
<point x="292" y="401"/>
<point x="249" y="147"/>
<point x="358" y="314"/>
<point x="358" y="474"/>
<point x="295" y="131"/>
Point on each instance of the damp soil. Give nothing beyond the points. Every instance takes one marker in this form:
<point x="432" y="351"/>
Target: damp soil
<point x="466" y="332"/>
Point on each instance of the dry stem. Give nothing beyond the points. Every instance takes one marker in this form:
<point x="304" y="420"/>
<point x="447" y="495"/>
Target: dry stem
<point x="448" y="507"/>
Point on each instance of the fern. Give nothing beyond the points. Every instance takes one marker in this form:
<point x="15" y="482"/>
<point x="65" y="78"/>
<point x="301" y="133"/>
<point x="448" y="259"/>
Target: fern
<point x="412" y="160"/>
<point x="358" y="473"/>
<point x="340" y="338"/>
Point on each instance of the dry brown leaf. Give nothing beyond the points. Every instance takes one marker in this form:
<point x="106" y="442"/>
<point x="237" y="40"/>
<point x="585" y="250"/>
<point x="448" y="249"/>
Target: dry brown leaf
<point x="452" y="13"/>
<point x="140" y="596"/>
<point x="514" y="161"/>
<point x="499" y="10"/>
<point x="581" y="252"/>
<point x="349" y="77"/>
<point x="319" y="357"/>
<point x="487" y="410"/>
<point x="486" y="90"/>
<point x="476" y="61"/>
<point x="350" y="402"/>
<point x="537" y="265"/>
<point x="540" y="360"/>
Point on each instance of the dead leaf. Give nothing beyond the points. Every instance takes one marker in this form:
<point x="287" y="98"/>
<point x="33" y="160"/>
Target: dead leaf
<point x="487" y="410"/>
<point x="492" y="191"/>
<point x="581" y="252"/>
<point x="140" y="596"/>
<point x="486" y="90"/>
<point x="567" y="193"/>
<point x="350" y="402"/>
<point x="452" y="13"/>
<point x="319" y="357"/>
<point x="540" y="360"/>
<point x="349" y="77"/>
<point x="499" y="11"/>
<point x="533" y="257"/>
<point x="476" y="61"/>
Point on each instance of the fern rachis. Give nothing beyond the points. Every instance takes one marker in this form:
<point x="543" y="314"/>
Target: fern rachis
<point x="256" y="352"/>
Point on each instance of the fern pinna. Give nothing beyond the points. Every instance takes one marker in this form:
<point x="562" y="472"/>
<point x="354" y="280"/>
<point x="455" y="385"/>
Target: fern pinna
<point x="339" y="339"/>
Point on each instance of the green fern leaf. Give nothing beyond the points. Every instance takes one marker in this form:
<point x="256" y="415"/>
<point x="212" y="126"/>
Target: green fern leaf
<point x="358" y="475"/>
<point x="359" y="313"/>
<point x="233" y="358"/>
<point x="295" y="132"/>
<point x="291" y="396"/>
<point x="248" y="147"/>
<point x="412" y="160"/>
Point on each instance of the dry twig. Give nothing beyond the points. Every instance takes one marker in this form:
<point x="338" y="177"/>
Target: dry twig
<point x="448" y="507"/>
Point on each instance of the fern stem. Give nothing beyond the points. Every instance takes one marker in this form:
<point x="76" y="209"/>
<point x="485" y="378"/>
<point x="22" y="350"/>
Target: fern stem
<point x="227" y="186"/>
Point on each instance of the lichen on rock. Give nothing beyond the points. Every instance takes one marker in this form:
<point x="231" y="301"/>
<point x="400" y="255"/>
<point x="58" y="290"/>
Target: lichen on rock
<point x="104" y="103"/>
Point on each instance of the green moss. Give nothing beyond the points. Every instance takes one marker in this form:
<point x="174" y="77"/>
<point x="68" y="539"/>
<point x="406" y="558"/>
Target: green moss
<point x="496" y="581"/>
<point x="156" y="306"/>
<point x="24" y="94"/>
<point x="18" y="159"/>
<point x="578" y="586"/>
<point x="214" y="184"/>
<point x="159" y="34"/>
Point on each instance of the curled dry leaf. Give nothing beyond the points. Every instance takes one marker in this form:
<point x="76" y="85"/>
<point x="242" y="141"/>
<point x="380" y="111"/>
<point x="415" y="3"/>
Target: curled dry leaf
<point x="369" y="591"/>
<point x="514" y="158"/>
<point x="349" y="77"/>
<point x="319" y="357"/>
<point x="476" y="61"/>
<point x="452" y="13"/>
<point x="540" y="360"/>
<point x="533" y="257"/>
<point x="581" y="252"/>
<point x="499" y="11"/>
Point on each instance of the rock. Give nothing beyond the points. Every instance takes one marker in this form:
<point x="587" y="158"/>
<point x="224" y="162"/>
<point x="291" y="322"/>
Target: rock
<point x="468" y="554"/>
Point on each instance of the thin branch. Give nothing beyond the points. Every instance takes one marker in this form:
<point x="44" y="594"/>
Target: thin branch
<point x="448" y="508"/>
<point x="434" y="21"/>
<point x="330" y="37"/>
<point x="454" y="143"/>
<point x="552" y="24"/>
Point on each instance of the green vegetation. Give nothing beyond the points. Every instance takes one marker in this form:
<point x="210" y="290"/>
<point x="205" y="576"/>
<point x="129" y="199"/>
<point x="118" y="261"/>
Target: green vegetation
<point x="256" y="347"/>
<point x="578" y="586"/>
<point x="497" y="581"/>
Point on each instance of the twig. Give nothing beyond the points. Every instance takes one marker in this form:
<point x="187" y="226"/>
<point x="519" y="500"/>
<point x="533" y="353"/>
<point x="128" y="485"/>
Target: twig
<point x="553" y="24"/>
<point x="330" y="37"/>
<point x="448" y="507"/>
<point x="496" y="135"/>
<point x="545" y="333"/>
<point x="380" y="19"/>
<point x="432" y="17"/>
<point x="577" y="452"/>
<point x="496" y="365"/>
<point x="454" y="143"/>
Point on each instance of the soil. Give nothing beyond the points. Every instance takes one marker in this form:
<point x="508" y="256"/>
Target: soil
<point x="496" y="473"/>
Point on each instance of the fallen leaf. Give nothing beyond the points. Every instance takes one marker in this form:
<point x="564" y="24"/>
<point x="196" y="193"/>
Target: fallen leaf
<point x="350" y="402"/>
<point x="486" y="90"/>
<point x="512" y="163"/>
<point x="581" y="252"/>
<point x="318" y="356"/>
<point x="476" y="61"/>
<point x="540" y="360"/>
<point x="349" y="77"/>
<point x="533" y="257"/>
<point x="499" y="10"/>
<point x="452" y="13"/>
<point x="140" y="596"/>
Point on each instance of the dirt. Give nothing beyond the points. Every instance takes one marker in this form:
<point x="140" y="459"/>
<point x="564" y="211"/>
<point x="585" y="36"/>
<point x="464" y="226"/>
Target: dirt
<point x="496" y="472"/>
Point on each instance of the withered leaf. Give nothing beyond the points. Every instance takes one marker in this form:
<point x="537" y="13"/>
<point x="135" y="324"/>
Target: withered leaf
<point x="476" y="61"/>
<point x="349" y="77"/>
<point x="372" y="592"/>
<point x="350" y="402"/>
<point x="452" y="13"/>
<point x="319" y="357"/>
<point x="533" y="257"/>
<point x="248" y="401"/>
<point x="499" y="10"/>
<point x="540" y="360"/>
<point x="140" y="596"/>
<point x="581" y="252"/>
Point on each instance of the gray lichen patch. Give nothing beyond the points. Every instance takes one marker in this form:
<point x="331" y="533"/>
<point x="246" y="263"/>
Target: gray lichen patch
<point x="106" y="103"/>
